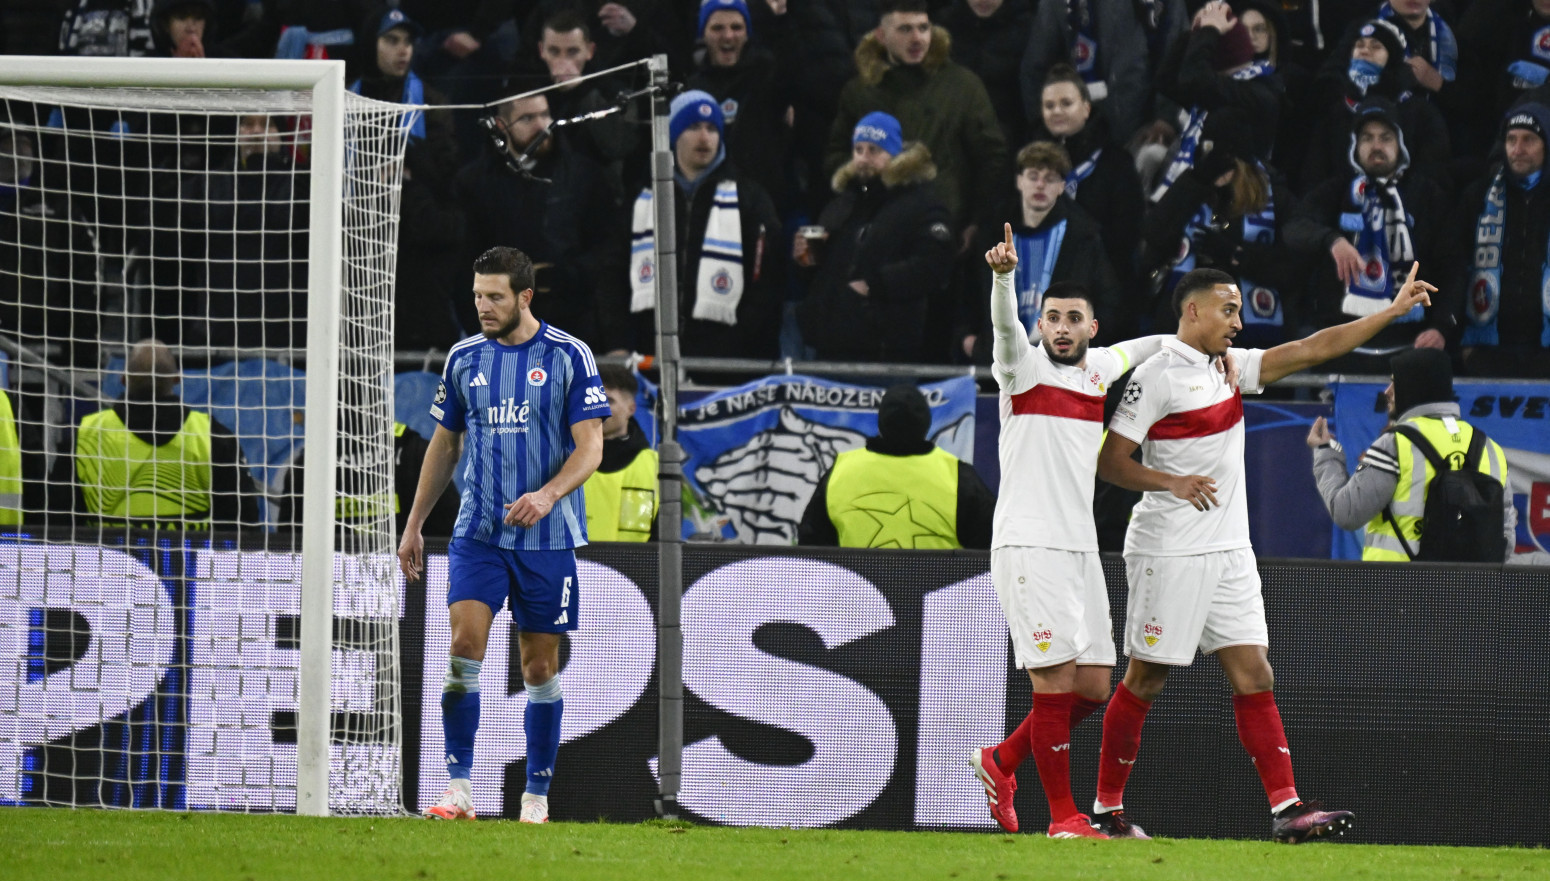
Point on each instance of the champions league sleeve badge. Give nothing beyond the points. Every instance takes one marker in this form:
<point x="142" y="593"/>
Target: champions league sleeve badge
<point x="441" y="393"/>
<point x="1132" y="392"/>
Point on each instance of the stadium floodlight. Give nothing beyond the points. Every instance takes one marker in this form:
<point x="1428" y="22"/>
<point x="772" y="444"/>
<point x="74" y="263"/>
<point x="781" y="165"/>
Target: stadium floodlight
<point x="245" y="213"/>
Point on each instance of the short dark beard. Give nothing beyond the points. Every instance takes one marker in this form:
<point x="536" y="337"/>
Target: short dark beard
<point x="504" y="329"/>
<point x="1381" y="174"/>
<point x="1078" y="353"/>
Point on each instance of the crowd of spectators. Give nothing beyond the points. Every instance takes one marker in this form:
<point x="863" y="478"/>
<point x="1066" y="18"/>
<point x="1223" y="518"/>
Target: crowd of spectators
<point x="839" y="167"/>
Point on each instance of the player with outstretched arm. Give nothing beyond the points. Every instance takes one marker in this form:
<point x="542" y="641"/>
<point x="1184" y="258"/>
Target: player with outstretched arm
<point x="1191" y="571"/>
<point x="527" y="398"/>
<point x="1044" y="545"/>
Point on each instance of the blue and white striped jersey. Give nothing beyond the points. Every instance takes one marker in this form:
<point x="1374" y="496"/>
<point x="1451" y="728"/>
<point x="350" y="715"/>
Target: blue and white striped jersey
<point x="517" y="405"/>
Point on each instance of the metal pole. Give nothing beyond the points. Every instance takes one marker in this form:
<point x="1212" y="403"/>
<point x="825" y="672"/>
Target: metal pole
<point x="670" y="655"/>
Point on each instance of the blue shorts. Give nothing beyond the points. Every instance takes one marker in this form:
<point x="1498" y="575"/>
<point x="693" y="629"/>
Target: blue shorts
<point x="541" y="585"/>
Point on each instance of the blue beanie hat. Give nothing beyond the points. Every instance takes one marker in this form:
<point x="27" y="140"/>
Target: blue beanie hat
<point x="710" y="7"/>
<point x="881" y="129"/>
<point x="689" y="108"/>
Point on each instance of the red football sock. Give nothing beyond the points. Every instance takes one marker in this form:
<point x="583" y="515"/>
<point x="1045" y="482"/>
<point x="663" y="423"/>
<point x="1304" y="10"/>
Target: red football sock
<point x="1121" y="743"/>
<point x="1010" y="753"/>
<point x="1052" y="752"/>
<point x="1081" y="708"/>
<point x="1259" y="728"/>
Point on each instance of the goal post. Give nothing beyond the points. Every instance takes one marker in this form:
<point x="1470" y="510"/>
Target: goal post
<point x="347" y="746"/>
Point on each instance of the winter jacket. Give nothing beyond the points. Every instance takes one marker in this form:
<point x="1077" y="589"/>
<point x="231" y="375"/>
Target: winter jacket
<point x="566" y="217"/>
<point x="1273" y="264"/>
<point x="1122" y="59"/>
<point x="1081" y="259"/>
<point x="1316" y="226"/>
<point x="892" y="233"/>
<point x="1329" y="144"/>
<point x="1187" y="78"/>
<point x="1493" y="35"/>
<point x="992" y="48"/>
<point x="1520" y="318"/>
<point x="114" y="28"/>
<point x="754" y="95"/>
<point x="1111" y="195"/>
<point x="938" y="103"/>
<point x="230" y="255"/>
<point x="49" y="274"/>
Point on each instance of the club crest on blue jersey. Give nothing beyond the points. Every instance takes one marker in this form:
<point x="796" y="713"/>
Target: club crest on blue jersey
<point x="537" y="376"/>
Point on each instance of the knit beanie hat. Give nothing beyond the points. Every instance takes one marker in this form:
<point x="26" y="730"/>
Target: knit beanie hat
<point x="1421" y="376"/>
<point x="689" y="108"/>
<point x="881" y="129"/>
<point x="711" y="7"/>
<point x="903" y="414"/>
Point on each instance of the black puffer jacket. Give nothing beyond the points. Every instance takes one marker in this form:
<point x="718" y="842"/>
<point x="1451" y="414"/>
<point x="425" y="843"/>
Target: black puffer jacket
<point x="992" y="48"/>
<point x="891" y="232"/>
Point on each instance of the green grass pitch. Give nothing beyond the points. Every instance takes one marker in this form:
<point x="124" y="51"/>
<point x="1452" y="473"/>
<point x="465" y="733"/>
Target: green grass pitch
<point x="58" y="845"/>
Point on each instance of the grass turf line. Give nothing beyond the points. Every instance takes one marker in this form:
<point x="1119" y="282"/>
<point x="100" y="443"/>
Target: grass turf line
<point x="60" y="845"/>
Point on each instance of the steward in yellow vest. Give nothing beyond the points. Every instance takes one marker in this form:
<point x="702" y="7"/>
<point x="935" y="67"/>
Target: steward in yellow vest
<point x="355" y="504"/>
<point x="900" y="490"/>
<point x="621" y="495"/>
<point x="149" y="461"/>
<point x="1393" y="471"/>
<point x="10" y="466"/>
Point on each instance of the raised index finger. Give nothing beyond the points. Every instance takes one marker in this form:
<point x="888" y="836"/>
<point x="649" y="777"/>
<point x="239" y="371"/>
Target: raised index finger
<point x="1008" y="235"/>
<point x="1414" y="268"/>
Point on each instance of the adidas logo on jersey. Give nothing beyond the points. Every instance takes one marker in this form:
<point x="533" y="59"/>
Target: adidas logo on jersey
<point x="563" y="619"/>
<point x="595" y="395"/>
<point x="479" y="381"/>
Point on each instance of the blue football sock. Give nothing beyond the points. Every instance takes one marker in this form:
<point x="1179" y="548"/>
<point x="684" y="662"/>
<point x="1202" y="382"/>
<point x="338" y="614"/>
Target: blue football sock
<point x="541" y="722"/>
<point x="460" y="715"/>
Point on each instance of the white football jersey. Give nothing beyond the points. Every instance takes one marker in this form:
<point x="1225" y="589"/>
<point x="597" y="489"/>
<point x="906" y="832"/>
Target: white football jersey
<point x="1051" y="430"/>
<point x="1188" y="420"/>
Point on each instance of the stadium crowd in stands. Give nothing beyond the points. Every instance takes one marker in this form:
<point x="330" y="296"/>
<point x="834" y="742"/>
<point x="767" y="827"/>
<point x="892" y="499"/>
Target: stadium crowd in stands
<point x="1313" y="150"/>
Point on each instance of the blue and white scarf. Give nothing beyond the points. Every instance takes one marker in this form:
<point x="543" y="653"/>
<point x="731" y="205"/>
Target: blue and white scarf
<point x="1485" y="284"/>
<point x="414" y="93"/>
<point x="1189" y="139"/>
<point x="1036" y="258"/>
<point x="1084" y="42"/>
<point x="1376" y="216"/>
<point x="719" y="279"/>
<point x="1261" y="304"/>
<point x="1081" y="172"/>
<point x="1444" y="47"/>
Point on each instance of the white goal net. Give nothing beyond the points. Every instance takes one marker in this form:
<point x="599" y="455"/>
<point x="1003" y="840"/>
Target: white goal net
<point x="199" y="599"/>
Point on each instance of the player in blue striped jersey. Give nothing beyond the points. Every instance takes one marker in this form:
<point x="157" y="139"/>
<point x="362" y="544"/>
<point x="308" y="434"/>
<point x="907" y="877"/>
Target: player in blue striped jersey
<point x="527" y="400"/>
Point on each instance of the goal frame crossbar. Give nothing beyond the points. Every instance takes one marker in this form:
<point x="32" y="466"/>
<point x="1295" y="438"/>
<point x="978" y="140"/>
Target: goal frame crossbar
<point x="324" y="80"/>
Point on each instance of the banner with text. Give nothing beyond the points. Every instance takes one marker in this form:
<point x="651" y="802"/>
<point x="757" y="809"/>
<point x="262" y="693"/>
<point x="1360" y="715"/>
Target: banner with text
<point x="756" y="452"/>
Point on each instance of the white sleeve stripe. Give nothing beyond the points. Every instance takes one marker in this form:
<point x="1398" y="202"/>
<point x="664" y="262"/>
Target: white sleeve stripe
<point x="1369" y="462"/>
<point x="1376" y="455"/>
<point x="561" y="336"/>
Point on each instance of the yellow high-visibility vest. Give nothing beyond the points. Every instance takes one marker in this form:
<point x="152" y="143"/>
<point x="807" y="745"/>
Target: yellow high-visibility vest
<point x="621" y="505"/>
<point x="124" y="478"/>
<point x="1415" y="474"/>
<point x="880" y="501"/>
